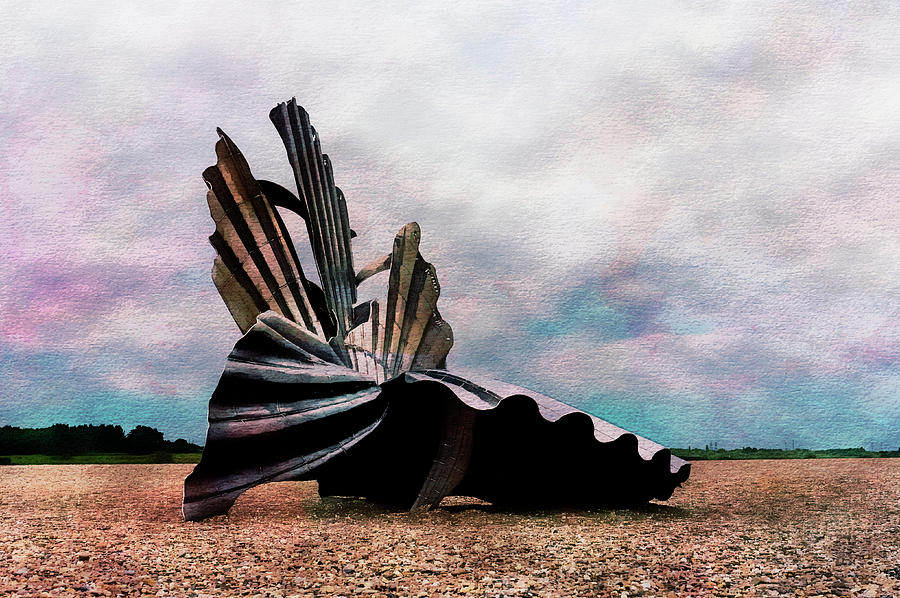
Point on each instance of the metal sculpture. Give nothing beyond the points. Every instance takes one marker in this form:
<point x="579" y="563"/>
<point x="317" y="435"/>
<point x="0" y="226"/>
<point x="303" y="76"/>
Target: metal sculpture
<point x="356" y="395"/>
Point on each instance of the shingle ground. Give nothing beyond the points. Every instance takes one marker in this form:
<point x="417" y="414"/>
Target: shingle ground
<point x="737" y="528"/>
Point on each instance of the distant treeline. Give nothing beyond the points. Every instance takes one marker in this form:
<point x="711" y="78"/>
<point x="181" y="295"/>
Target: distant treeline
<point x="62" y="439"/>
<point x="748" y="452"/>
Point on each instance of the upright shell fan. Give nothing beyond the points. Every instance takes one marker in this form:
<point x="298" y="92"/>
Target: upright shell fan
<point x="356" y="395"/>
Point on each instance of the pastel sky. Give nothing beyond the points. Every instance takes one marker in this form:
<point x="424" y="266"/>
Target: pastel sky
<point x="680" y="217"/>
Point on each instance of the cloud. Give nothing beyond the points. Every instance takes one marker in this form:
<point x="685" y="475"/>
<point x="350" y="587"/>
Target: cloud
<point x="664" y="206"/>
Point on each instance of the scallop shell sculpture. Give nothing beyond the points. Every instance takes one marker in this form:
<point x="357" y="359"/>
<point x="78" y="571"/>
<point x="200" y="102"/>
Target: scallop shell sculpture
<point x="355" y="394"/>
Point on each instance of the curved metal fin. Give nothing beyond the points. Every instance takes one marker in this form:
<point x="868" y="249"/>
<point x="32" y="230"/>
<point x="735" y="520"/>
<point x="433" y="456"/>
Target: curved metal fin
<point x="327" y="222"/>
<point x="450" y="463"/>
<point x="257" y="267"/>
<point x="437" y="340"/>
<point x="283" y="198"/>
<point x="407" y="332"/>
<point x="372" y="268"/>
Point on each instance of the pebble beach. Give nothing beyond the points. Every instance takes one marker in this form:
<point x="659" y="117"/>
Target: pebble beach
<point x="828" y="527"/>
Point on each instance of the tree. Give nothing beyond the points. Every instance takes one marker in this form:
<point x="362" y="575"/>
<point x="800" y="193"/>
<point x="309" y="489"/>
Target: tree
<point x="143" y="440"/>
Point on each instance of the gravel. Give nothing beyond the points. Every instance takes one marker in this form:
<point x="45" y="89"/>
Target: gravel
<point x="828" y="527"/>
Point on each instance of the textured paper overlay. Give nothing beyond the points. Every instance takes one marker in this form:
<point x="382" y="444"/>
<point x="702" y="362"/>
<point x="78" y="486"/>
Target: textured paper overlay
<point x="683" y="220"/>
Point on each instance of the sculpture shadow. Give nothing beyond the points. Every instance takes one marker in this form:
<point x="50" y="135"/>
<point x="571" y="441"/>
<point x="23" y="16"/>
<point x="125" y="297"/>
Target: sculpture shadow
<point x="332" y="507"/>
<point x="648" y="510"/>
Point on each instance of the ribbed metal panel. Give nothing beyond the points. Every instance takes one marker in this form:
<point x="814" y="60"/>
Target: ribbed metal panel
<point x="256" y="269"/>
<point x="286" y="408"/>
<point x="328" y="223"/>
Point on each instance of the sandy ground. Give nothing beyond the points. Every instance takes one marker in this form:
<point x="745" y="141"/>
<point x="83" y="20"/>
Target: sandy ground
<point x="739" y="528"/>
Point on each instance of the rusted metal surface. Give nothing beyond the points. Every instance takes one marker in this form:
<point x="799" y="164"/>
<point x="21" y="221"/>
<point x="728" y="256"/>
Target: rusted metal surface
<point x="356" y="394"/>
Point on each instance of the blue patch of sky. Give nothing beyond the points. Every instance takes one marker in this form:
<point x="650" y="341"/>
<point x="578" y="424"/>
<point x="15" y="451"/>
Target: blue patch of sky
<point x="681" y="323"/>
<point x="41" y="388"/>
<point x="798" y="412"/>
<point x="176" y="418"/>
<point x="583" y="308"/>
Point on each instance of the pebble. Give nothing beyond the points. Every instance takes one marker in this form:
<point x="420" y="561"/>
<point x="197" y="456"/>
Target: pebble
<point x="737" y="528"/>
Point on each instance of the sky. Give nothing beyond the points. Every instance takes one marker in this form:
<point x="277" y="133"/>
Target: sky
<point x="680" y="217"/>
